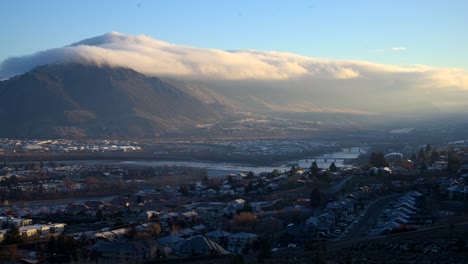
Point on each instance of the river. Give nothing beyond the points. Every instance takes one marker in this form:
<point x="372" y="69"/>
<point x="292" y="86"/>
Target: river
<point x="216" y="169"/>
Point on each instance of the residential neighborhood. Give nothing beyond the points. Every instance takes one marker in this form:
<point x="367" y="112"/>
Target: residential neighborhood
<point x="108" y="213"/>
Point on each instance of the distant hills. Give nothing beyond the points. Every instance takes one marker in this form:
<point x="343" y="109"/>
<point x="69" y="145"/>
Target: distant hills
<point x="83" y="100"/>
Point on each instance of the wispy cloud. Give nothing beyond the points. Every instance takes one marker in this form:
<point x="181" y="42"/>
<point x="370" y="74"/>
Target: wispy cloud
<point x="399" y="48"/>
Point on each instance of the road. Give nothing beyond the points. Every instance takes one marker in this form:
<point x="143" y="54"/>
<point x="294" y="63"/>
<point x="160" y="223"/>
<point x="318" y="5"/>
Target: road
<point x="367" y="219"/>
<point x="338" y="186"/>
<point x="62" y="201"/>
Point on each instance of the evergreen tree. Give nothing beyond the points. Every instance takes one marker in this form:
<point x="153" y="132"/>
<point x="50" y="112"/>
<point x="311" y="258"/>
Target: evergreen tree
<point x="434" y="156"/>
<point x="423" y="167"/>
<point x="315" y="198"/>
<point x="333" y="167"/>
<point x="12" y="236"/>
<point x="99" y="214"/>
<point x="314" y="169"/>
<point x="247" y="207"/>
<point x="428" y="148"/>
<point x="377" y="159"/>
<point x="422" y="155"/>
<point x="52" y="246"/>
<point x="453" y="162"/>
<point x="265" y="251"/>
<point x="139" y="199"/>
<point x="238" y="259"/>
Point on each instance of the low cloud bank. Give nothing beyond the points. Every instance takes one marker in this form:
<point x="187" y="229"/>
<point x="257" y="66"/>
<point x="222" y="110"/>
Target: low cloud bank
<point x="439" y="87"/>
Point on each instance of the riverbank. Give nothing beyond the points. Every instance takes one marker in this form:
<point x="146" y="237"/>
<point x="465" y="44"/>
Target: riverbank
<point x="215" y="168"/>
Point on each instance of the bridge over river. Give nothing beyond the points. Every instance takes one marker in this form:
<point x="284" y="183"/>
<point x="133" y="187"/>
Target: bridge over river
<point x="324" y="161"/>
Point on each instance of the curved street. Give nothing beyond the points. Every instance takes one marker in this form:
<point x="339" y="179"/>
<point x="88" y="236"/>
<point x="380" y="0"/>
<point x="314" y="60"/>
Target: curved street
<point x="368" y="217"/>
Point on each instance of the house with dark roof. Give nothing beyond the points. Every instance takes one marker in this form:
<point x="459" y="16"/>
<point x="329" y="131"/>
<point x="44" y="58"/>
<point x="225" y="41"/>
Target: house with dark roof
<point x="240" y="242"/>
<point x="198" y="245"/>
<point x="219" y="236"/>
<point x="138" y="251"/>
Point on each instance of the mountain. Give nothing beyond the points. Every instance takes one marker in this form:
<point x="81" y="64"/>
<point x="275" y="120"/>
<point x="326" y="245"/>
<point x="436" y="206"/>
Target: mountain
<point x="272" y="81"/>
<point x="85" y="100"/>
<point x="88" y="89"/>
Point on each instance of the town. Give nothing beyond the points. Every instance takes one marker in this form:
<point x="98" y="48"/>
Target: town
<point x="104" y="212"/>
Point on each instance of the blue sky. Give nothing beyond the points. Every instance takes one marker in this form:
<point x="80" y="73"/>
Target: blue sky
<point x="433" y="33"/>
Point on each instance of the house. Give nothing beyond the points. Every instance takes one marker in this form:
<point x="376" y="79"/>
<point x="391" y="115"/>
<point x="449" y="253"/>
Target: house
<point x="105" y="235"/>
<point x="57" y="228"/>
<point x="313" y="224"/>
<point x="169" y="241"/>
<point x="198" y="245"/>
<point x="339" y="208"/>
<point x="8" y="221"/>
<point x="219" y="236"/>
<point x="138" y="251"/>
<point x="2" y="234"/>
<point x="41" y="229"/>
<point x="399" y="170"/>
<point x="187" y="232"/>
<point x="191" y="216"/>
<point x="200" y="229"/>
<point x="109" y="210"/>
<point x="94" y="205"/>
<point x="208" y="209"/>
<point x="241" y="242"/>
<point x="110" y="235"/>
<point x="28" y="231"/>
<point x="270" y="225"/>
<point x="75" y="209"/>
<point x="272" y="187"/>
<point x="456" y="192"/>
<point x="234" y="206"/>
<point x="149" y="214"/>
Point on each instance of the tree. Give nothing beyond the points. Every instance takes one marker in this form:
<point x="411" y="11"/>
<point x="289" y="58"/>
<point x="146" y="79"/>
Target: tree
<point x="230" y="179"/>
<point x="37" y="167"/>
<point x="119" y="223"/>
<point x="265" y="251"/>
<point x="314" y="169"/>
<point x="248" y="188"/>
<point x="247" y="207"/>
<point x="434" y="156"/>
<point x="315" y="197"/>
<point x="332" y="167"/>
<point x="154" y="229"/>
<point x="12" y="236"/>
<point x="52" y="246"/>
<point x="183" y="190"/>
<point x="244" y="220"/>
<point x="428" y="148"/>
<point x="453" y="162"/>
<point x="413" y="157"/>
<point x="238" y="259"/>
<point x="139" y="199"/>
<point x="293" y="170"/>
<point x="99" y="214"/>
<point x="13" y="180"/>
<point x="377" y="159"/>
<point x="423" y="167"/>
<point x="62" y="249"/>
<point x="421" y="155"/>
